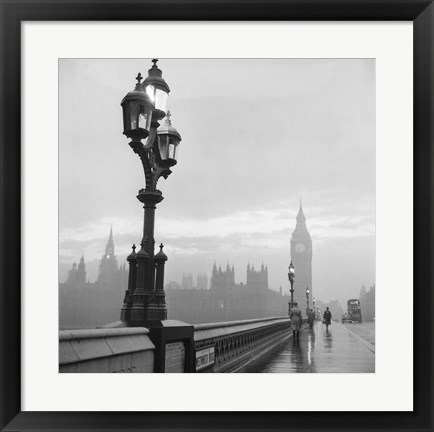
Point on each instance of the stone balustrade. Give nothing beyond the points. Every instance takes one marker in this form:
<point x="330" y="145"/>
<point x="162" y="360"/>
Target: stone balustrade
<point x="172" y="347"/>
<point x="121" y="350"/>
<point x="230" y="346"/>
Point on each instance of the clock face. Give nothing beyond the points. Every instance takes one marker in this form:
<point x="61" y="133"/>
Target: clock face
<point x="300" y="247"/>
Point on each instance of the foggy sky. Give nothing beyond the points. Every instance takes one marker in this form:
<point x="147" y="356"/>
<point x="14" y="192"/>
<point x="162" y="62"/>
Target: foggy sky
<point x="256" y="136"/>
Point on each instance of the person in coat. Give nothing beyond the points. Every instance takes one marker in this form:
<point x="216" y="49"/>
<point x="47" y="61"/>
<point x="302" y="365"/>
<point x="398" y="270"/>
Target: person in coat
<point x="296" y="321"/>
<point x="310" y="318"/>
<point x="327" y="318"/>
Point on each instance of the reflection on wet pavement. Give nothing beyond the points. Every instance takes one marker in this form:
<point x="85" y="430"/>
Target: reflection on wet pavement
<point x="336" y="350"/>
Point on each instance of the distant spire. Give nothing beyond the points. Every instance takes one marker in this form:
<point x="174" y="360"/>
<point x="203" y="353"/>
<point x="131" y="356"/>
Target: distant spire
<point x="110" y="248"/>
<point x="301" y="219"/>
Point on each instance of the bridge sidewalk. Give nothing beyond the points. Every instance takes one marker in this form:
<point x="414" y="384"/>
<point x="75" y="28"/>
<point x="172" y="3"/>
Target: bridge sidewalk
<point x="339" y="350"/>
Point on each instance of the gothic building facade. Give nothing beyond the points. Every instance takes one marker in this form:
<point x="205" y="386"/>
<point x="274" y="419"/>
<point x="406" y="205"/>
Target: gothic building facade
<point x="301" y="256"/>
<point x="225" y="300"/>
<point x="84" y="304"/>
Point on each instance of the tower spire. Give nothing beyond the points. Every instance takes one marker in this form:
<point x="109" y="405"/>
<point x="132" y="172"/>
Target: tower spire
<point x="301" y="219"/>
<point x="110" y="248"/>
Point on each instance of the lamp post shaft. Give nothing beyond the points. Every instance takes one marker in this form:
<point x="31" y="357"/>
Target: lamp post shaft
<point x="149" y="227"/>
<point x="291" y="276"/>
<point x="148" y="304"/>
<point x="150" y="199"/>
<point x="292" y="294"/>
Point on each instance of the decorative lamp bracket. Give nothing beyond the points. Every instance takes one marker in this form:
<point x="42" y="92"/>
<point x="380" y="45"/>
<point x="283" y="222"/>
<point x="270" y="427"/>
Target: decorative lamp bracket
<point x="153" y="166"/>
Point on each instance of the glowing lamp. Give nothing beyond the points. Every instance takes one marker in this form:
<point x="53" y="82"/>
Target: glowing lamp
<point x="157" y="90"/>
<point x="137" y="112"/>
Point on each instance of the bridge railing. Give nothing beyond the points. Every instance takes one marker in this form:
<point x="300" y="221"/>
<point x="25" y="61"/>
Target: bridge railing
<point x="124" y="350"/>
<point x="230" y="346"/>
<point x="172" y="347"/>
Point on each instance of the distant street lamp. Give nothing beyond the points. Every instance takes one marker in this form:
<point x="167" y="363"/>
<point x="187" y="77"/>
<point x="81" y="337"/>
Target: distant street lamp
<point x="291" y="277"/>
<point x="142" y="109"/>
<point x="307" y="300"/>
<point x="314" y="306"/>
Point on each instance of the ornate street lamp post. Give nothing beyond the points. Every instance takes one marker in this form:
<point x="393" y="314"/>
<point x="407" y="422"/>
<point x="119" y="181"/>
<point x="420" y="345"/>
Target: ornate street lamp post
<point x="314" y="306"/>
<point x="307" y="300"/>
<point x="291" y="277"/>
<point x="143" y="108"/>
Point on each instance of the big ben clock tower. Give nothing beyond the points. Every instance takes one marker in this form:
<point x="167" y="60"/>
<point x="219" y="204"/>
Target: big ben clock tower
<point x="301" y="255"/>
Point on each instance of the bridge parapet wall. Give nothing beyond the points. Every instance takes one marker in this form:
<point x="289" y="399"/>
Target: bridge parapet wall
<point x="117" y="350"/>
<point x="230" y="346"/>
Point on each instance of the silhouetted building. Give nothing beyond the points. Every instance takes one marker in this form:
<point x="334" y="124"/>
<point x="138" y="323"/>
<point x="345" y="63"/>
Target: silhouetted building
<point x="173" y="285"/>
<point x="301" y="256"/>
<point x="226" y="300"/>
<point x="202" y="281"/>
<point x="257" y="279"/>
<point x="367" y="303"/>
<point x="187" y="281"/>
<point x="77" y="275"/>
<point x="108" y="266"/>
<point x="83" y="304"/>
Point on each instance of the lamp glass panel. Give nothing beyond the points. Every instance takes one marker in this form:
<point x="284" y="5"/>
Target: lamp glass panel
<point x="176" y="152"/>
<point x="126" y="117"/>
<point x="134" y="114"/>
<point x="171" y="152"/>
<point x="150" y="91"/>
<point x="162" y="146"/>
<point x="144" y="120"/>
<point x="160" y="100"/>
<point x="172" y="148"/>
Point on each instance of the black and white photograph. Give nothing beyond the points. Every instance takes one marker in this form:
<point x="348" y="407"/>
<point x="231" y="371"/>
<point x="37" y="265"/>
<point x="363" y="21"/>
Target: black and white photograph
<point x="217" y="215"/>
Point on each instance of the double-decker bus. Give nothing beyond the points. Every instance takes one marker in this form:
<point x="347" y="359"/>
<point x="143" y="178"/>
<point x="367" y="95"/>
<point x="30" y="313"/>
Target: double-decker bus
<point x="354" y="312"/>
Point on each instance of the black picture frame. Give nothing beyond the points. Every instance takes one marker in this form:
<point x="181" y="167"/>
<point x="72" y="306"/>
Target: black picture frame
<point x="421" y="12"/>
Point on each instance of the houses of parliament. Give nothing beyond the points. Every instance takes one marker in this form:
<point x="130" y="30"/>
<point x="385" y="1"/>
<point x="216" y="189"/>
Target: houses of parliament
<point x="226" y="300"/>
<point x="83" y="304"/>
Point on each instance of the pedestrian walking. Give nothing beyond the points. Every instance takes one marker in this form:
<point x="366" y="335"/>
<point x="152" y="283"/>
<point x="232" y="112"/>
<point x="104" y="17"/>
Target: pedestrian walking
<point x="327" y="318"/>
<point x="310" y="318"/>
<point x="296" y="320"/>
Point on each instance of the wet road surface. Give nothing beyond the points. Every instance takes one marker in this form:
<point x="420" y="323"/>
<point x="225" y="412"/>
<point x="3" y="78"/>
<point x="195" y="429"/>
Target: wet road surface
<point x="339" y="350"/>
